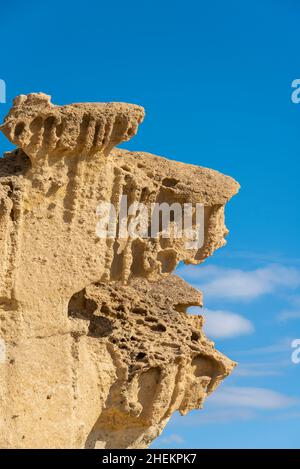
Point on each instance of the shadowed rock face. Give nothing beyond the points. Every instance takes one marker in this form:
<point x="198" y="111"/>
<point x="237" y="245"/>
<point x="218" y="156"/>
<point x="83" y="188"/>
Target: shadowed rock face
<point x="99" y="348"/>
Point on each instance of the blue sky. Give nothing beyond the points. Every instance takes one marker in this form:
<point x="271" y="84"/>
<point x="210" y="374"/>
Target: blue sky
<point x="215" y="79"/>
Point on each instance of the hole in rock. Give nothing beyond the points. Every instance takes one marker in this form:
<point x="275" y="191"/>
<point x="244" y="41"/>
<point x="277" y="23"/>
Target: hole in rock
<point x="195" y="336"/>
<point x="80" y="306"/>
<point x="169" y="182"/>
<point x="140" y="356"/>
<point x="204" y="365"/>
<point x="168" y="260"/>
<point x="19" y="129"/>
<point x="158" y="328"/>
<point x="139" y="310"/>
<point x="100" y="326"/>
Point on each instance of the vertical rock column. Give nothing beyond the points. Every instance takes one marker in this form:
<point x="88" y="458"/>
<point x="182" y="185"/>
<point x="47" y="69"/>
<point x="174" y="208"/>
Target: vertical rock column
<point x="97" y="349"/>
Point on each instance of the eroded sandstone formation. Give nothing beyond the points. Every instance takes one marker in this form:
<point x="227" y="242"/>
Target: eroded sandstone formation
<point x="98" y="349"/>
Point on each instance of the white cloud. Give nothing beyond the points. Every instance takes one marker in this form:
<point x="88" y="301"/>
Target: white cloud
<point x="237" y="284"/>
<point x="287" y="416"/>
<point x="251" y="397"/>
<point x="284" y="346"/>
<point x="214" y="416"/>
<point x="220" y="324"/>
<point x="174" y="438"/>
<point x="234" y="403"/>
<point x="260" y="369"/>
<point x="287" y="315"/>
<point x="225" y="324"/>
<point x="295" y="300"/>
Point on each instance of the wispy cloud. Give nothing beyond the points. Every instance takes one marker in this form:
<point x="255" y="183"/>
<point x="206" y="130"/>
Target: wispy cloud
<point x="260" y="369"/>
<point x="238" y="403"/>
<point x="237" y="284"/>
<point x="287" y="416"/>
<point x="171" y="439"/>
<point x="224" y="324"/>
<point x="259" y="257"/>
<point x="251" y="397"/>
<point x="213" y="416"/>
<point x="288" y="315"/>
<point x="283" y="346"/>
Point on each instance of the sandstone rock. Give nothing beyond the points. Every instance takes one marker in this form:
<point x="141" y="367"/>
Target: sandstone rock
<point x="99" y="348"/>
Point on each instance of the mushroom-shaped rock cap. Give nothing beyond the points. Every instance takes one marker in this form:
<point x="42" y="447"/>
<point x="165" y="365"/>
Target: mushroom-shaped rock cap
<point x="39" y="127"/>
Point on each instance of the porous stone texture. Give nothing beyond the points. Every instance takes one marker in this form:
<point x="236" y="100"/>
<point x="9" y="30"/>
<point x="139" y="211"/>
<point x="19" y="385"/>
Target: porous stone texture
<point x="97" y="348"/>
